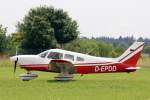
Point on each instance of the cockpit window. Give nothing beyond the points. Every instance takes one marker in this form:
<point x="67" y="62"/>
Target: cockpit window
<point x="80" y="59"/>
<point x="55" y="55"/>
<point x="68" y="56"/>
<point x="43" y="54"/>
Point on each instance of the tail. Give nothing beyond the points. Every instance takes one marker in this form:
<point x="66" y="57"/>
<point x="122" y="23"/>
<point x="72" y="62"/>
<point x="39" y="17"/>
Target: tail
<point x="132" y="54"/>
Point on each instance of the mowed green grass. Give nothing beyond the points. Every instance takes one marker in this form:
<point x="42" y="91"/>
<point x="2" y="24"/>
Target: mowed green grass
<point x="118" y="86"/>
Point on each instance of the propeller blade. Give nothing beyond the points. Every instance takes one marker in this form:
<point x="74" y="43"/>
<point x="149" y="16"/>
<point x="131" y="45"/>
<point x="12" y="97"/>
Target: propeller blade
<point x="15" y="65"/>
<point x="16" y="60"/>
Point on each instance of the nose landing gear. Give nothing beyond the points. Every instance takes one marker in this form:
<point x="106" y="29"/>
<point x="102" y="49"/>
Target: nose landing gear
<point x="28" y="76"/>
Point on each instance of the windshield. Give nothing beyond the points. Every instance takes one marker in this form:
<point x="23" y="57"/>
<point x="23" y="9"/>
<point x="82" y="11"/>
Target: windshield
<point x="43" y="54"/>
<point x="55" y="55"/>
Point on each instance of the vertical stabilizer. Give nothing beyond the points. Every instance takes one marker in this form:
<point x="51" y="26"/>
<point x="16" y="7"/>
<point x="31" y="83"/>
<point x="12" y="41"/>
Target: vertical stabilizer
<point x="132" y="54"/>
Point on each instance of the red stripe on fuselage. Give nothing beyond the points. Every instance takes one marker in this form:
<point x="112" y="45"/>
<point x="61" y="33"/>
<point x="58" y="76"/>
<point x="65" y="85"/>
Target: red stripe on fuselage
<point x="110" y="68"/>
<point x="84" y="69"/>
<point x="39" y="67"/>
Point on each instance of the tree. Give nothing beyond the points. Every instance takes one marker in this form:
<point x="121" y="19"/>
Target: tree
<point x="81" y="45"/>
<point x="147" y="50"/>
<point x="140" y="39"/>
<point x="2" y="38"/>
<point x="13" y="41"/>
<point x="91" y="47"/>
<point x="43" y="26"/>
<point x="120" y="48"/>
<point x="104" y="49"/>
<point x="64" y="27"/>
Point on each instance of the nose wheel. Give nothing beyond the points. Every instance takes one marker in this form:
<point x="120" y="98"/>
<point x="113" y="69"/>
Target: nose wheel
<point x="28" y="76"/>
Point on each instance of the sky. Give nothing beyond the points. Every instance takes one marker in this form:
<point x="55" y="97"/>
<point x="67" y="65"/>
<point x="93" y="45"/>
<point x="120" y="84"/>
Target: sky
<point x="111" y="18"/>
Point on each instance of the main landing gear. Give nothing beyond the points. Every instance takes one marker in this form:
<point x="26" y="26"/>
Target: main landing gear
<point x="64" y="75"/>
<point x="28" y="76"/>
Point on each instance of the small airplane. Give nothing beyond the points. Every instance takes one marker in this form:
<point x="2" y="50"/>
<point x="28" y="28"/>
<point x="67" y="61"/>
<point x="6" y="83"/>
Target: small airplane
<point x="67" y="63"/>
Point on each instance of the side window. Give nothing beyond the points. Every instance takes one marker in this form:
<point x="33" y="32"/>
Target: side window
<point x="80" y="59"/>
<point x="42" y="55"/>
<point x="55" y="55"/>
<point x="68" y="56"/>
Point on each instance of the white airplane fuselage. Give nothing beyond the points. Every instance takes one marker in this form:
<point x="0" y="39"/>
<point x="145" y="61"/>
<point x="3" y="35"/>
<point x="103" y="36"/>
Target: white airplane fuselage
<point x="80" y="63"/>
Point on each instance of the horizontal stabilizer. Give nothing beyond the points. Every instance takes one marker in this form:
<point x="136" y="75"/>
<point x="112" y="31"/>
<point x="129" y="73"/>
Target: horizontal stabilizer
<point x="133" y="68"/>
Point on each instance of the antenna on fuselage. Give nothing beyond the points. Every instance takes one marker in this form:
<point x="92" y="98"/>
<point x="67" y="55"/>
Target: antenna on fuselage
<point x="90" y="51"/>
<point x="16" y="50"/>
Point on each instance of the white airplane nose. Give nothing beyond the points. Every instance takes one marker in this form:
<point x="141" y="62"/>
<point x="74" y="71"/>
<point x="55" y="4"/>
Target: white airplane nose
<point x="13" y="58"/>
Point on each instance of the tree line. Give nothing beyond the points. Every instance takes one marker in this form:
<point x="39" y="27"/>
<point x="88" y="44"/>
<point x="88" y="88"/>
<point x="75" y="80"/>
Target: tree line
<point x="47" y="27"/>
<point x="124" y="42"/>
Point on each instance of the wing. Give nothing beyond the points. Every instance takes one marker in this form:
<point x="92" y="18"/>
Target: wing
<point x="58" y="65"/>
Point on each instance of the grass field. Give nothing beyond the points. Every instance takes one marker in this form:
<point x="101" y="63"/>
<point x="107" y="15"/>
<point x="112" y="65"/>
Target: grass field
<point x="119" y="86"/>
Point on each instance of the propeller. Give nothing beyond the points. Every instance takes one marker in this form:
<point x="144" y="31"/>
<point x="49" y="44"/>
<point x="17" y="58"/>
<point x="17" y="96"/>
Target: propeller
<point x="15" y="65"/>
